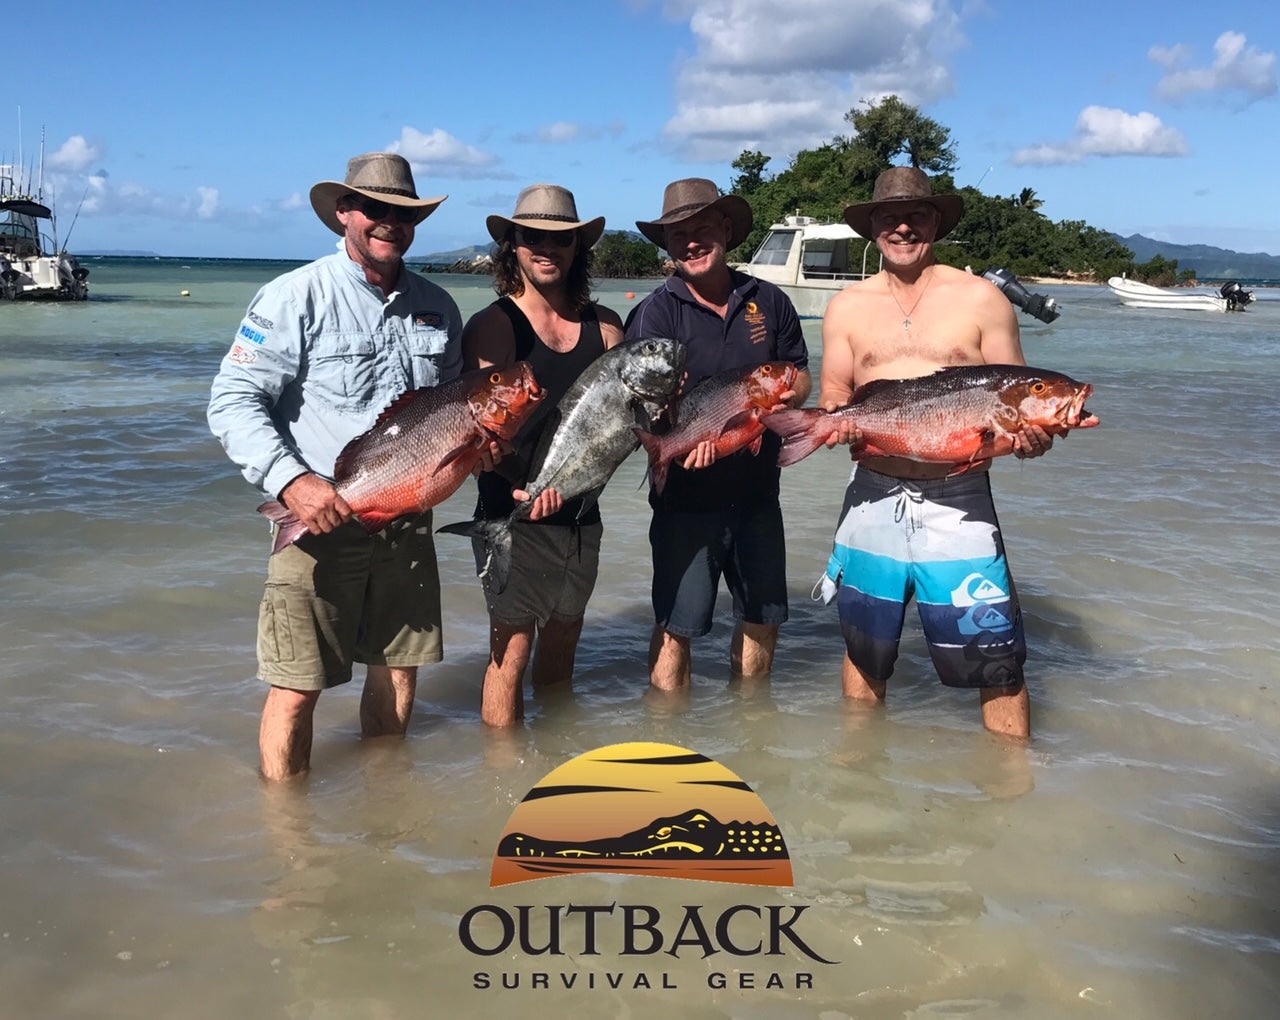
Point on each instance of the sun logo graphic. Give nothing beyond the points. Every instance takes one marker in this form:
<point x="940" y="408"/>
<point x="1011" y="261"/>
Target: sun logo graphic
<point x="643" y="809"/>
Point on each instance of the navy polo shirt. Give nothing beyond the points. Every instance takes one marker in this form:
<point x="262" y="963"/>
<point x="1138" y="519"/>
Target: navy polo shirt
<point x="760" y="325"/>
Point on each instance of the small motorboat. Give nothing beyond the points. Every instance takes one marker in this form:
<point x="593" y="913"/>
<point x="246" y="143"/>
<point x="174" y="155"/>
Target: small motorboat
<point x="1231" y="297"/>
<point x="31" y="266"/>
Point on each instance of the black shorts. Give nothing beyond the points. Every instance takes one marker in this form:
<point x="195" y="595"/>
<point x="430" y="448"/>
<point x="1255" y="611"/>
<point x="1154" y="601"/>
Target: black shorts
<point x="691" y="551"/>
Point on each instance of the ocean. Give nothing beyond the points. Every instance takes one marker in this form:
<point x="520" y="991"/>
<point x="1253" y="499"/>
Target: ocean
<point x="1126" y="864"/>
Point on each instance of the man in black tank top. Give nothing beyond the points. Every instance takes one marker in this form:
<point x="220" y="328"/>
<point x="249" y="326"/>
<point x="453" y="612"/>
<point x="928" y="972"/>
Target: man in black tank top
<point x="543" y="315"/>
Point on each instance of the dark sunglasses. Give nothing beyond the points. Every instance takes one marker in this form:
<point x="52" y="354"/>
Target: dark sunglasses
<point x="531" y="237"/>
<point x="372" y="209"/>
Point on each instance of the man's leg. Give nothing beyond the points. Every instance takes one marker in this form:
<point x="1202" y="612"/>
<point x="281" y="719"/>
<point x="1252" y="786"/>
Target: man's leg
<point x="557" y="648"/>
<point x="284" y="736"/>
<point x="387" y="701"/>
<point x="670" y="660"/>
<point x="751" y="653"/>
<point x="502" y="700"/>
<point x="858" y="687"/>
<point x="1007" y="710"/>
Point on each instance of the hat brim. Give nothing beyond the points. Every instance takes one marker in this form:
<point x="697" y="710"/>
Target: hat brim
<point x="950" y="210"/>
<point x="326" y="195"/>
<point x="590" y="230"/>
<point x="733" y="206"/>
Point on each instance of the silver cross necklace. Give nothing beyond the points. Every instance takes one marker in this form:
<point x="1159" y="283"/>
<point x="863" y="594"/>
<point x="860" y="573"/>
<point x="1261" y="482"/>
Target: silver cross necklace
<point x="906" y="313"/>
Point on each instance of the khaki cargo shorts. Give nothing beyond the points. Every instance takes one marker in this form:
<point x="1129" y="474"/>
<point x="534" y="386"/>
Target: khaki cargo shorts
<point x="348" y="596"/>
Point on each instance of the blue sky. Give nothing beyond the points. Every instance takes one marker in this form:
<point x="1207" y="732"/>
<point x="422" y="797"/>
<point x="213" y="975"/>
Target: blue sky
<point x="199" y="130"/>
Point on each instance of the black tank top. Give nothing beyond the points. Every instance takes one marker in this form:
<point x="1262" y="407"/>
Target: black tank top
<point x="555" y="372"/>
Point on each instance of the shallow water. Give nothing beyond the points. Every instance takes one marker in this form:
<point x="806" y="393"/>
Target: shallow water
<point x="1126" y="865"/>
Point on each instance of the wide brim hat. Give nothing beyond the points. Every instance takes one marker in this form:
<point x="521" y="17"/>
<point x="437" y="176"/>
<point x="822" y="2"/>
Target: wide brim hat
<point x="905" y="185"/>
<point x="546" y="207"/>
<point x="381" y="175"/>
<point x="686" y="198"/>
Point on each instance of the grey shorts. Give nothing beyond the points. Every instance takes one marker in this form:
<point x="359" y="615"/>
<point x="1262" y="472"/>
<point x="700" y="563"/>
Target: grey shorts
<point x="348" y="596"/>
<point x="553" y="572"/>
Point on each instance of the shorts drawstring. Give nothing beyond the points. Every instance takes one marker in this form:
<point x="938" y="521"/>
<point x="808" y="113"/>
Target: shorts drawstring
<point x="910" y="498"/>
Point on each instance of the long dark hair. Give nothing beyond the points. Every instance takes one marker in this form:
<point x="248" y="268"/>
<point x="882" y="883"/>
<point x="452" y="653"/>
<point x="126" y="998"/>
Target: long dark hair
<point x="509" y="281"/>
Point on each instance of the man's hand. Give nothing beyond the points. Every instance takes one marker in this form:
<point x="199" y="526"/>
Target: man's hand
<point x="491" y="455"/>
<point x="701" y="456"/>
<point x="549" y="502"/>
<point x="316" y="503"/>
<point x="1033" y="441"/>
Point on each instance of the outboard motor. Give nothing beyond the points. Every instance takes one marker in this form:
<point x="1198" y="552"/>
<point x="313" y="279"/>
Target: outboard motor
<point x="1039" y="306"/>
<point x="1237" y="297"/>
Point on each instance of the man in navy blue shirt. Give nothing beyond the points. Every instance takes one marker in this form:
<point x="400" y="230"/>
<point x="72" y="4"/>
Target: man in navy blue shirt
<point x="717" y="518"/>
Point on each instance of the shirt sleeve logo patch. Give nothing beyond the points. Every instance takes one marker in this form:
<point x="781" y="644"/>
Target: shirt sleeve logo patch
<point x="427" y="320"/>
<point x="242" y="355"/>
<point x="260" y="321"/>
<point x="251" y="334"/>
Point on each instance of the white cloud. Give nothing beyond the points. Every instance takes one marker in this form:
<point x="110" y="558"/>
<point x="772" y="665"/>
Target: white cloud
<point x="207" y="207"/>
<point x="1237" y="67"/>
<point x="440" y="154"/>
<point x="1102" y="131"/>
<point x="294" y="201"/>
<point x="75" y="154"/>
<point x="781" y="76"/>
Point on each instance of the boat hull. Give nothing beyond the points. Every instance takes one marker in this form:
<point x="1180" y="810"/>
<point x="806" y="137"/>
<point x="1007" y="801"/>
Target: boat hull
<point x="1143" y="295"/>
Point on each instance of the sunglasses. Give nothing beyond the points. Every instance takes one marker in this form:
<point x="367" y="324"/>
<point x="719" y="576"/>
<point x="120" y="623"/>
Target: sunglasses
<point x="531" y="237"/>
<point x="374" y="210"/>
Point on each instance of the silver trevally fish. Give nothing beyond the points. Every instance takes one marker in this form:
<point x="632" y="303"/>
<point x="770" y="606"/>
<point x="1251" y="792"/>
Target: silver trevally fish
<point x="589" y="433"/>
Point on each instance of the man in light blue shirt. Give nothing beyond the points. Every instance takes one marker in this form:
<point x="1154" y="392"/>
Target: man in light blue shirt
<point x="322" y="350"/>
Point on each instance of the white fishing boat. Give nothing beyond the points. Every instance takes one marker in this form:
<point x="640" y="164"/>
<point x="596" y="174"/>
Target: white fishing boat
<point x="32" y="266"/>
<point x="812" y="261"/>
<point x="1231" y="297"/>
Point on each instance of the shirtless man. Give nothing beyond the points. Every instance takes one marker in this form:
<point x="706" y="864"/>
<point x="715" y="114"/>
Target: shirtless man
<point x="906" y="529"/>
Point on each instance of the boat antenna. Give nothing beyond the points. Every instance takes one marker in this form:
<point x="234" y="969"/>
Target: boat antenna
<point x="73" y="219"/>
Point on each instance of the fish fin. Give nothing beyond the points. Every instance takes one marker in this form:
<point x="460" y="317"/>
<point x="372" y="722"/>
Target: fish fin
<point x="741" y="420"/>
<point x="797" y="430"/>
<point x="459" y="451"/>
<point x="496" y="571"/>
<point x="755" y="445"/>
<point x="288" y="528"/>
<point x="375" y="520"/>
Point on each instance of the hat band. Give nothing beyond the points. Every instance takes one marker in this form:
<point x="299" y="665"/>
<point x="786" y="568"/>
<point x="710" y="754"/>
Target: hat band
<point x="682" y="211"/>
<point x="384" y="191"/>
<point x="558" y="217"/>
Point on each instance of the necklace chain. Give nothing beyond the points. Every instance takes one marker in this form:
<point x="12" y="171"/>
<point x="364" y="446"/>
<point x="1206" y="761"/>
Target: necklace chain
<point x="906" y="313"/>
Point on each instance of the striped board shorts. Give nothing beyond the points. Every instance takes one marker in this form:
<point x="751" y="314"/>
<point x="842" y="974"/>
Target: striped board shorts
<point x="939" y="541"/>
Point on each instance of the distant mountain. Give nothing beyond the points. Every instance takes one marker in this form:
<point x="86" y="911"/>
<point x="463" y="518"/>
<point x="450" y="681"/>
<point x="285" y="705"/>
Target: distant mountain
<point x="1210" y="263"/>
<point x="118" y="251"/>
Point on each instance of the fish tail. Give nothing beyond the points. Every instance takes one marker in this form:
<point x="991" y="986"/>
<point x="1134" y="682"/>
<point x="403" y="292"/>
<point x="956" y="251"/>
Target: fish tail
<point x="497" y="543"/>
<point x="657" y="465"/>
<point x="799" y="431"/>
<point x="288" y="528"/>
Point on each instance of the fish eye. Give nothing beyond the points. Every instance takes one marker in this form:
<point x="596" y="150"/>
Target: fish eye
<point x="766" y="369"/>
<point x="1038" y="387"/>
<point x="496" y="378"/>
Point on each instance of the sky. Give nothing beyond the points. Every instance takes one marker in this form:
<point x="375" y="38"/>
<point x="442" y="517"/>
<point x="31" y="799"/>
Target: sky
<point x="197" y="130"/>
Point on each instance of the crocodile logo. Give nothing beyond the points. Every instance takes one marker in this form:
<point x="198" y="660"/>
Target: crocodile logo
<point x="643" y="809"/>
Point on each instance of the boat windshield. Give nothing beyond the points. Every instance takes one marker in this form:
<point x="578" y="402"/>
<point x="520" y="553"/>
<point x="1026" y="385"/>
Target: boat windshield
<point x="775" y="249"/>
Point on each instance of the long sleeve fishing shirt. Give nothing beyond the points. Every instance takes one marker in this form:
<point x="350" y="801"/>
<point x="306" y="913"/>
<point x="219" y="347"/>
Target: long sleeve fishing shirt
<point x="318" y="356"/>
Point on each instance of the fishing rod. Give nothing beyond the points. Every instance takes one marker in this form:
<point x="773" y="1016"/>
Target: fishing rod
<point x="75" y="217"/>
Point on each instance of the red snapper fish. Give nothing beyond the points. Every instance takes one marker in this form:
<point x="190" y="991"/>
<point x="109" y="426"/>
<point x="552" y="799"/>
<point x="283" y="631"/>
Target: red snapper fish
<point x="422" y="447"/>
<point x="728" y="408"/>
<point x="959" y="415"/>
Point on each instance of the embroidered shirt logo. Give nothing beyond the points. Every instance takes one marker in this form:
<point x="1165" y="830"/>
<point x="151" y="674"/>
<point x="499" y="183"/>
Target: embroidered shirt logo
<point x="260" y="321"/>
<point x="756" y="320"/>
<point x="242" y="355"/>
<point x="252" y="335"/>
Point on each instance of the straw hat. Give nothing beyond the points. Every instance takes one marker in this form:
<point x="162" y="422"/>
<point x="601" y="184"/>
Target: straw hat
<point x="686" y="198"/>
<point x="381" y="175"/>
<point x="546" y="207"/>
<point x="901" y="185"/>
